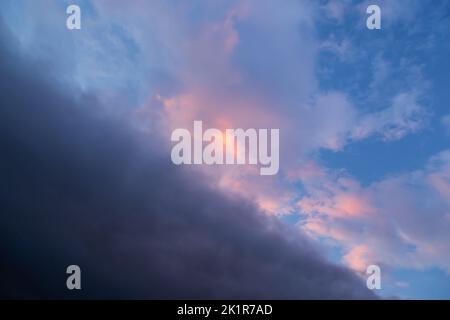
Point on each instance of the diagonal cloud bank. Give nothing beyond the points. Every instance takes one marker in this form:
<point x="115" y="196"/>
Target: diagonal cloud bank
<point x="81" y="187"/>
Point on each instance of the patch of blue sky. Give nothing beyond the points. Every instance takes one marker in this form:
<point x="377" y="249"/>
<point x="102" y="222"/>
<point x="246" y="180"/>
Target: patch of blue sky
<point x="431" y="283"/>
<point x="371" y="67"/>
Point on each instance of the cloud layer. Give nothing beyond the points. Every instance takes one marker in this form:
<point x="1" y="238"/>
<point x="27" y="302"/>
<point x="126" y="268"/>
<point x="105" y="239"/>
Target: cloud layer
<point x="80" y="186"/>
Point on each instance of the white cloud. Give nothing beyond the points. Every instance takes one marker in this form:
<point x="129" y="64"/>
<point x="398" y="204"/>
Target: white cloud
<point x="403" y="117"/>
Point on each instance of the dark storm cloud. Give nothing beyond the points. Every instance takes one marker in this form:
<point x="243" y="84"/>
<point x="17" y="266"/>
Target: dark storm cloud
<point x="78" y="188"/>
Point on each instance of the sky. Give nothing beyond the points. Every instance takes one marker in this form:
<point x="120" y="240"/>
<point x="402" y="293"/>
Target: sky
<point x="364" y="120"/>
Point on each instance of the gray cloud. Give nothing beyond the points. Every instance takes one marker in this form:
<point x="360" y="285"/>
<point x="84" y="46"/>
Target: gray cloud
<point x="80" y="187"/>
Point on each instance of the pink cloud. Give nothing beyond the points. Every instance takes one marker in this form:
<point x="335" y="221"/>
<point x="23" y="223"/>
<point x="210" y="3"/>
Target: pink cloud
<point x="358" y="258"/>
<point x="401" y="221"/>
